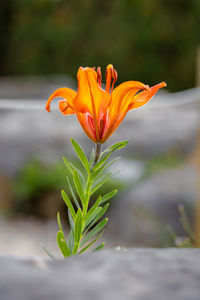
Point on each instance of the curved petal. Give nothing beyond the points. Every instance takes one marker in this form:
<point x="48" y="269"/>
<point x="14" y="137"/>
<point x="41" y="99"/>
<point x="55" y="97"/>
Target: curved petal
<point x="90" y="98"/>
<point x="121" y="99"/>
<point x="88" y="125"/>
<point x="65" y="106"/>
<point x="129" y="99"/>
<point x="144" y="96"/>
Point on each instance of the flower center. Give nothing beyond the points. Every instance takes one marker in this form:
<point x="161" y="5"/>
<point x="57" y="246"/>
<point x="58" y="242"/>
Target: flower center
<point x="111" y="78"/>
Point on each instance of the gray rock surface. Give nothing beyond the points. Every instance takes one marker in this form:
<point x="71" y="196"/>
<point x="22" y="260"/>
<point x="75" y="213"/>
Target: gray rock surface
<point x="139" y="274"/>
<point x="142" y="215"/>
<point x="29" y="87"/>
<point x="167" y="122"/>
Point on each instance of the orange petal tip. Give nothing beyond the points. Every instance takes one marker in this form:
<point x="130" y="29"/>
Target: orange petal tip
<point x="163" y="84"/>
<point x="109" y="66"/>
<point x="48" y="108"/>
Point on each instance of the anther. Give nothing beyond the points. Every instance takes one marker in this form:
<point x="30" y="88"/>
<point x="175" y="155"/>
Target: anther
<point x="114" y="75"/>
<point x="99" y="77"/>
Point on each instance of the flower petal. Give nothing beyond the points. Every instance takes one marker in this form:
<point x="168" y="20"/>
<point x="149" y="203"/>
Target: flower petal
<point x="144" y="96"/>
<point x="67" y="106"/>
<point x="90" y="100"/>
<point x="90" y="97"/>
<point x="121" y="99"/>
<point x="88" y="125"/>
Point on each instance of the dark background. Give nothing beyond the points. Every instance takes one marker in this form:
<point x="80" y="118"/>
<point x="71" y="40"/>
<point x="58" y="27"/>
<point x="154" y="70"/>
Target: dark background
<point x="146" y="40"/>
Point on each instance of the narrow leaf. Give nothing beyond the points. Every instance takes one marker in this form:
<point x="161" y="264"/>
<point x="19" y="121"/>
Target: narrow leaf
<point x="92" y="157"/>
<point x="81" y="155"/>
<point x="71" y="241"/>
<point x="73" y="194"/>
<point x="110" y="150"/>
<point x="96" y="174"/>
<point x="92" y="216"/>
<point x="63" y="244"/>
<point x="68" y="203"/>
<point x="69" y="168"/>
<point x="101" y="162"/>
<point x="59" y="221"/>
<point x="78" y="230"/>
<point x="99" y="215"/>
<point x="100" y="182"/>
<point x="82" y="178"/>
<point x="94" y="231"/>
<point x="100" y="247"/>
<point x="90" y="244"/>
<point x="78" y="186"/>
<point x="116" y="146"/>
<point x="78" y="226"/>
<point x="92" y="209"/>
<point x="71" y="221"/>
<point x="108" y="196"/>
<point x="47" y="252"/>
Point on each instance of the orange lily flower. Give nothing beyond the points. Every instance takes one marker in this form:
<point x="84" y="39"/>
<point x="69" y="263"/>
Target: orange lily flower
<point x="101" y="111"/>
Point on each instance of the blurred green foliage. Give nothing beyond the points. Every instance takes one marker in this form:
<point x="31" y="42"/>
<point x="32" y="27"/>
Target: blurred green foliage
<point x="36" y="181"/>
<point x="147" y="40"/>
<point x="161" y="162"/>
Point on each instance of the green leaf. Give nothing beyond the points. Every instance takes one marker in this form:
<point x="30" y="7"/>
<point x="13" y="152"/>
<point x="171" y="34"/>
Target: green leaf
<point x="99" y="215"/>
<point x="92" y="209"/>
<point x="78" y="186"/>
<point x="100" y="182"/>
<point x="69" y="168"/>
<point x="92" y="157"/>
<point x="82" y="178"/>
<point x="92" y="216"/>
<point x="115" y="147"/>
<point x="59" y="221"/>
<point x="108" y="196"/>
<point x="100" y="247"/>
<point x="81" y="155"/>
<point x="78" y="230"/>
<point x="73" y="194"/>
<point x="71" y="221"/>
<point x="101" y="162"/>
<point x="47" y="252"/>
<point x="94" y="231"/>
<point x="68" y="203"/>
<point x="71" y="241"/>
<point x="63" y="244"/>
<point x="90" y="244"/>
<point x="110" y="150"/>
<point x="96" y="174"/>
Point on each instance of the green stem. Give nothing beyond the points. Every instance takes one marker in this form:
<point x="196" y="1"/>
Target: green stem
<point x="97" y="153"/>
<point x="87" y="195"/>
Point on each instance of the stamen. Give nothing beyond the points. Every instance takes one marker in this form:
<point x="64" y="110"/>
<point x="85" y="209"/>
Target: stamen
<point x="108" y="75"/>
<point x="99" y="77"/>
<point x="111" y="73"/>
<point x="114" y="76"/>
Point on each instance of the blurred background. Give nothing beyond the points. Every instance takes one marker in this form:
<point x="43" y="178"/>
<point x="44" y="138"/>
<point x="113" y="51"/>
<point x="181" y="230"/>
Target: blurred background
<point x="43" y="42"/>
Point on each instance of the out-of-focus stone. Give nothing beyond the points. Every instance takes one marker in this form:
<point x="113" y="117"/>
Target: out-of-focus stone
<point x="168" y="122"/>
<point x="32" y="87"/>
<point x="141" y="216"/>
<point x="5" y="194"/>
<point x="50" y="205"/>
<point x="139" y="274"/>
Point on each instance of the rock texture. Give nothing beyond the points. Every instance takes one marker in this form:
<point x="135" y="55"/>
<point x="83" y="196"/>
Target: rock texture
<point x="139" y="274"/>
<point x="141" y="215"/>
<point x="168" y="122"/>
